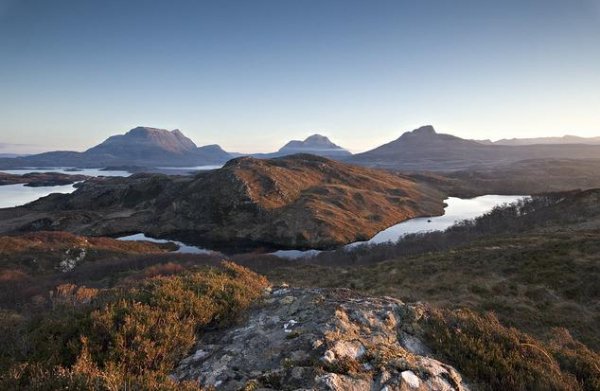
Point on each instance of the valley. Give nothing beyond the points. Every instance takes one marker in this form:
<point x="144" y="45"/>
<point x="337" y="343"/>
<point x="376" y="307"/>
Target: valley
<point x="311" y="259"/>
<point x="533" y="264"/>
<point x="299" y="195"/>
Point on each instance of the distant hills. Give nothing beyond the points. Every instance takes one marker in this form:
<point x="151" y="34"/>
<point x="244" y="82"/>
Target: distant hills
<point x="425" y="149"/>
<point x="544" y="140"/>
<point x="315" y="145"/>
<point x="145" y="148"/>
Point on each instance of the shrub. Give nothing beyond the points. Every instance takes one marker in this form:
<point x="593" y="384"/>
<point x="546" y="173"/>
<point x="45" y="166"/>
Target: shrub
<point x="502" y="358"/>
<point x="130" y="337"/>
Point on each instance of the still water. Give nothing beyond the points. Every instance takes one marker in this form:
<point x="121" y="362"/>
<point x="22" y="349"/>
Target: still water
<point x="457" y="209"/>
<point x="17" y="195"/>
<point x="70" y="171"/>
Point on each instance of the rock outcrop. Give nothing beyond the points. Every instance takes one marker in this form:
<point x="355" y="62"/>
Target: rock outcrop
<point x="300" y="201"/>
<point x="321" y="339"/>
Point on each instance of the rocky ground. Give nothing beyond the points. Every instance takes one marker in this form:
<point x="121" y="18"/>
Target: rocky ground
<point x="321" y="339"/>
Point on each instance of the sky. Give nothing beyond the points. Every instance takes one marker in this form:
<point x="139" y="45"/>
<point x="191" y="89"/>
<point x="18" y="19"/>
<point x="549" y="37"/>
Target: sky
<point x="251" y="75"/>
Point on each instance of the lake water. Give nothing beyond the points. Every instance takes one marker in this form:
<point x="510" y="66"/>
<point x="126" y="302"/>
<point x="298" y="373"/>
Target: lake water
<point x="183" y="248"/>
<point x="70" y="171"/>
<point x="457" y="209"/>
<point x="17" y="195"/>
<point x="192" y="168"/>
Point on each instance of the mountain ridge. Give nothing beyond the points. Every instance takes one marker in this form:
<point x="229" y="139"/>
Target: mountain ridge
<point x="425" y="149"/>
<point x="560" y="140"/>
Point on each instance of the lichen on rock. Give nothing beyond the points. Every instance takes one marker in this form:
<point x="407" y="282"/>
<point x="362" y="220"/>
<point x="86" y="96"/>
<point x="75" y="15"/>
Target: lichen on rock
<point x="329" y="339"/>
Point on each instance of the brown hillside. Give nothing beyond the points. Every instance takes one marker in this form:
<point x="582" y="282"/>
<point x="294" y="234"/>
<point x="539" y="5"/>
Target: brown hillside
<point x="296" y="201"/>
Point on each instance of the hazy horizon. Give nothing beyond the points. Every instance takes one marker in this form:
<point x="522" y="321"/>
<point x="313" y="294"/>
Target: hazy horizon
<point x="251" y="76"/>
<point x="6" y="148"/>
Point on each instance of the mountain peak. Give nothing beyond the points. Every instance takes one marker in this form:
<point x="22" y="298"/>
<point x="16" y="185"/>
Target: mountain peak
<point x="427" y="134"/>
<point x="316" y="143"/>
<point x="318" y="138"/>
<point x="144" y="140"/>
<point x="423" y="133"/>
<point x="427" y="129"/>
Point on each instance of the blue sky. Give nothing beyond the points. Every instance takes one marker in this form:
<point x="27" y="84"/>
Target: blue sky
<point x="250" y="75"/>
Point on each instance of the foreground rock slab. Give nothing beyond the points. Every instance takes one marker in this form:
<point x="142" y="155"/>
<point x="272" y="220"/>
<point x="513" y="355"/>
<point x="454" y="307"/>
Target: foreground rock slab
<point x="321" y="339"/>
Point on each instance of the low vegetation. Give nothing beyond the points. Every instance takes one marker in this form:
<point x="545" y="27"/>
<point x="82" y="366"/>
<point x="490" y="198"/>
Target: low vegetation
<point x="513" y="300"/>
<point x="503" y="358"/>
<point x="127" y="337"/>
<point x="518" y="289"/>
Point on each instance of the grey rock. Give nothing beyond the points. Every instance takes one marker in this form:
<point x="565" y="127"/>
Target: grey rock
<point x="330" y="340"/>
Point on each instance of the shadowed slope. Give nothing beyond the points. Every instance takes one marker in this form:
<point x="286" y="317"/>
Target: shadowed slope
<point x="296" y="201"/>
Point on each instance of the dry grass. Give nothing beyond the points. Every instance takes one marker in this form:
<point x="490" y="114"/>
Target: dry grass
<point x="126" y="338"/>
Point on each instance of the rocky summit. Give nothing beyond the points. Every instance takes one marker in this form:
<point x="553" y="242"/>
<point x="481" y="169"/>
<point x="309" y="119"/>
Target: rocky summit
<point x="323" y="339"/>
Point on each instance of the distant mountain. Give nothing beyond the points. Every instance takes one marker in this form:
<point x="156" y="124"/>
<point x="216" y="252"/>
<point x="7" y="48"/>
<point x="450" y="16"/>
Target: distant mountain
<point x="422" y="138"/>
<point x="141" y="146"/>
<point x="142" y="141"/>
<point x="546" y="140"/>
<point x="425" y="149"/>
<point x="315" y="145"/>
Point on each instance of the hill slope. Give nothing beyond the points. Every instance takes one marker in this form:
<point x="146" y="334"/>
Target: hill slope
<point x="300" y="201"/>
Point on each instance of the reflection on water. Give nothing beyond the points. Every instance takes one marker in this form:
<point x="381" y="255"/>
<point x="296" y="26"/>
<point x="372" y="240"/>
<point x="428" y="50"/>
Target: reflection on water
<point x="192" y="168"/>
<point x="457" y="209"/>
<point x="183" y="248"/>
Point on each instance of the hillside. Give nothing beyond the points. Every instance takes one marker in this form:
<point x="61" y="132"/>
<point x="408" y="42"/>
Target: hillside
<point x="507" y="302"/>
<point x="299" y="201"/>
<point x="536" y="265"/>
<point x="187" y="326"/>
<point x="141" y="146"/>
